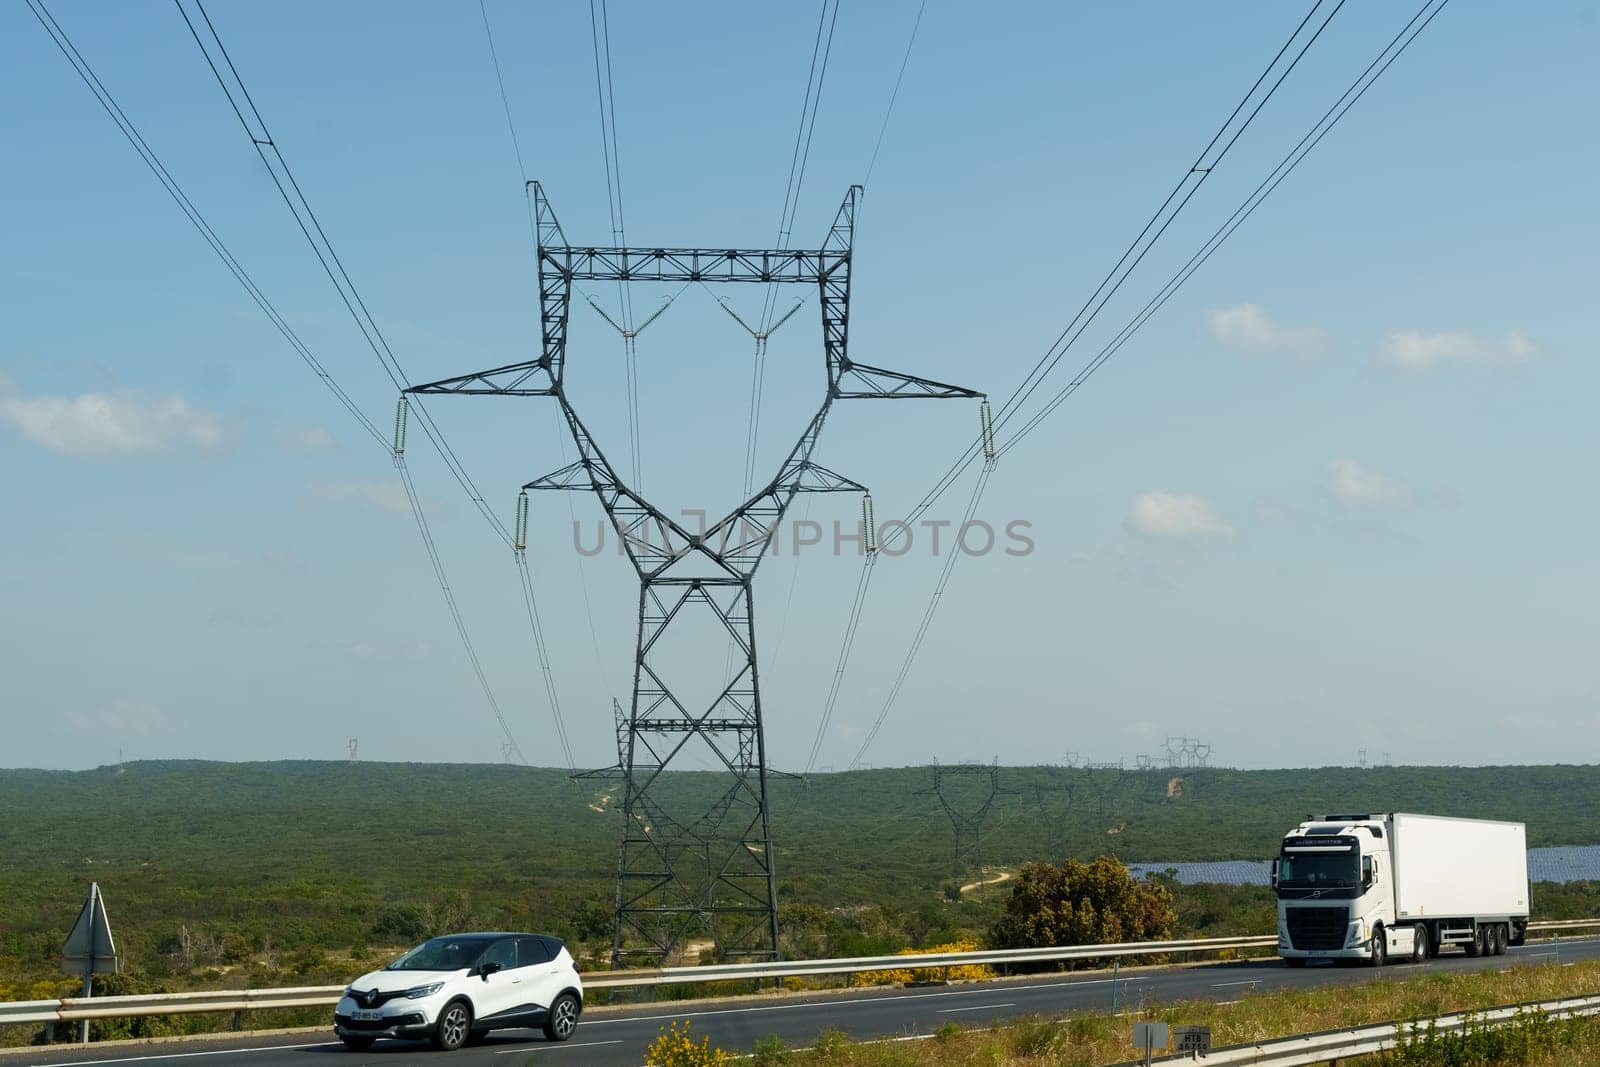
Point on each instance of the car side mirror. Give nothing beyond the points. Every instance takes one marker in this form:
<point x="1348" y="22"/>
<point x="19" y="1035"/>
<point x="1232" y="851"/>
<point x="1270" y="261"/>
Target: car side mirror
<point x="489" y="968"/>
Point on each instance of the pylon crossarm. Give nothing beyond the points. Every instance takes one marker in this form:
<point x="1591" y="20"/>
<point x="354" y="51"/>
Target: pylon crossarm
<point x="758" y="265"/>
<point x="575" y="476"/>
<point x="528" y="378"/>
<point x="858" y="381"/>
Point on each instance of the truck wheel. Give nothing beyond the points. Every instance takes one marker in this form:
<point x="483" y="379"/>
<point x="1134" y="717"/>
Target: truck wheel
<point x="1475" y="946"/>
<point x="1501" y="935"/>
<point x="1379" y="946"/>
<point x="1419" y="944"/>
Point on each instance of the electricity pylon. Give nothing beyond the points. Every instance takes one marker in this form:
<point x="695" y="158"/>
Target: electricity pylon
<point x="966" y="819"/>
<point x="694" y="858"/>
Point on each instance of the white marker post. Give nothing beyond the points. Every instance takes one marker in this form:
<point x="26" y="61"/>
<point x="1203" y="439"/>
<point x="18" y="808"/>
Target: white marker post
<point x="89" y="949"/>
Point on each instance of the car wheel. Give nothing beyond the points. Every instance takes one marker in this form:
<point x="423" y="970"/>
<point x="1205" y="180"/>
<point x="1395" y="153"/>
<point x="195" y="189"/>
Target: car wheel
<point x="453" y="1027"/>
<point x="1379" y="946"/>
<point x="356" y="1044"/>
<point x="563" y="1019"/>
<point x="1419" y="945"/>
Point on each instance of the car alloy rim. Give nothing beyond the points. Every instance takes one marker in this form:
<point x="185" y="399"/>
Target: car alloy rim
<point x="566" y="1018"/>
<point x="455" y="1025"/>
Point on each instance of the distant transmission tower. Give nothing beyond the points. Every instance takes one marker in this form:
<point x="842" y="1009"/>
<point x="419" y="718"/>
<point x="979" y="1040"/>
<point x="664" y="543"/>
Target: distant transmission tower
<point x="1186" y="753"/>
<point x="352" y="746"/>
<point x="694" y="861"/>
<point x="966" y="792"/>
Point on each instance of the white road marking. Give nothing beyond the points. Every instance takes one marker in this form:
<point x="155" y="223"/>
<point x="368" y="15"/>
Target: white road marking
<point x="554" y="1047"/>
<point x="1223" y="985"/>
<point x="190" y="1055"/>
<point x="975" y="1007"/>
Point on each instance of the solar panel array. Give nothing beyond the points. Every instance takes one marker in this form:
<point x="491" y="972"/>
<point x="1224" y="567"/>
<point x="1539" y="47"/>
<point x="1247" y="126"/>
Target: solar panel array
<point x="1566" y="863"/>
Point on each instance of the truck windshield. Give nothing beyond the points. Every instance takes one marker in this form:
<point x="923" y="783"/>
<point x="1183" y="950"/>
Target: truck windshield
<point x="1317" y="870"/>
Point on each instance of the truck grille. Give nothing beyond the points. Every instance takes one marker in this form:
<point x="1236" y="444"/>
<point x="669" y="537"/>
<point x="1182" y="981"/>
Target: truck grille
<point x="1317" y="928"/>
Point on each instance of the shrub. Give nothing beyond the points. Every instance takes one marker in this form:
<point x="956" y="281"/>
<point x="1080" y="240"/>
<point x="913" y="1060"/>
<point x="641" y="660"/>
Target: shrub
<point x="963" y="973"/>
<point x="769" y="1051"/>
<point x="673" y="1047"/>
<point x="1083" y="904"/>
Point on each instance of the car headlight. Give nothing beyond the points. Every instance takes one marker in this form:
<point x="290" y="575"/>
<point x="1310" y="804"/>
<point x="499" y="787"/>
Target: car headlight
<point x="420" y="991"/>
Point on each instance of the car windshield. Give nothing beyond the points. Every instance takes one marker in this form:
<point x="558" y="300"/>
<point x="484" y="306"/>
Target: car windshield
<point x="441" y="954"/>
<point x="1317" y="870"/>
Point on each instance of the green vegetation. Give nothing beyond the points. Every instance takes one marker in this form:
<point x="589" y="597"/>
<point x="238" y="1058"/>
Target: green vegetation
<point x="1076" y="903"/>
<point x="1088" y="1039"/>
<point x="224" y="875"/>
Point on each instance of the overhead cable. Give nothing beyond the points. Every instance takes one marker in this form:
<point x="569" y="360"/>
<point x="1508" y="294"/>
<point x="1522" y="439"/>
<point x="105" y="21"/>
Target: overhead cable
<point x="311" y="227"/>
<point x="124" y="124"/>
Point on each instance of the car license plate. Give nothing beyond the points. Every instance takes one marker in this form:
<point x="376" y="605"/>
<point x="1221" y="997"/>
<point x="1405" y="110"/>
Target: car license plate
<point x="366" y="1016"/>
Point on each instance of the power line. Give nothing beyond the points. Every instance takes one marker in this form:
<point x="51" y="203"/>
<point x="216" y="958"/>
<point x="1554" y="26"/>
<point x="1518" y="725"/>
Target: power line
<point x="351" y="297"/>
<point x="851" y="627"/>
<point x="146" y="154"/>
<point x="1180" y="195"/>
<point x="1108" y="286"/>
<point x="605" y="94"/>
<point x="306" y="218"/>
<point x="1285" y="167"/>
<point x="1320" y="129"/>
<point x="927" y="617"/>
<point x="561" y="438"/>
<point x="866" y="183"/>
<point x="450" y="602"/>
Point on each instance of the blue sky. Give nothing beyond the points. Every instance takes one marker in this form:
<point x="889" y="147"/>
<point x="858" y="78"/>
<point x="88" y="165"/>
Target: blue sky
<point x="1338" y="480"/>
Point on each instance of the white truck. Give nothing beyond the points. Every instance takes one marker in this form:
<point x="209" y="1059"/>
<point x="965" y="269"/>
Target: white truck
<point x="1373" y="886"/>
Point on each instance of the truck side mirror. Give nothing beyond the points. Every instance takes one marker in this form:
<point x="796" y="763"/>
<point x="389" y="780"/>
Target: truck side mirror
<point x="1274" y="874"/>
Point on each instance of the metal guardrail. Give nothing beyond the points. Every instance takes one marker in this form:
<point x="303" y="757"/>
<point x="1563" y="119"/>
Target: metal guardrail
<point x="71" y="1009"/>
<point x="1304" y="1050"/>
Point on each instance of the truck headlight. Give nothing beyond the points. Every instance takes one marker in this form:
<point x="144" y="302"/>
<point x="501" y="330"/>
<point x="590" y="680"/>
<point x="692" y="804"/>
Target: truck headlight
<point x="418" y="992"/>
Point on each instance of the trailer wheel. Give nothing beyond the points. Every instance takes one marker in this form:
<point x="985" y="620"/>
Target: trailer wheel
<point x="1475" y="947"/>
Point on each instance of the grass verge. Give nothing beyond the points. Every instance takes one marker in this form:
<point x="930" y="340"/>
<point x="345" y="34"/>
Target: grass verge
<point x="1091" y="1039"/>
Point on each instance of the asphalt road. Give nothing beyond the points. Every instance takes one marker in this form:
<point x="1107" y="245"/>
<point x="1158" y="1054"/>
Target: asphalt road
<point x="616" y="1037"/>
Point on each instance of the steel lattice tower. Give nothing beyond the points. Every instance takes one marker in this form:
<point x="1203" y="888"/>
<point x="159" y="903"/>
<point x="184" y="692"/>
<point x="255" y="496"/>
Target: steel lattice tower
<point x="694" y="860"/>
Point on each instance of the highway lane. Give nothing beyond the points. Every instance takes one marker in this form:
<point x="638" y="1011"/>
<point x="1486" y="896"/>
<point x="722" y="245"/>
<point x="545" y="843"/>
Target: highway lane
<point x="616" y="1037"/>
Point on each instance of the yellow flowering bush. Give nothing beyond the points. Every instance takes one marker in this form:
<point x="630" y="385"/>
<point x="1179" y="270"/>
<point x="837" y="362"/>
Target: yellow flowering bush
<point x="673" y="1047"/>
<point x="962" y="973"/>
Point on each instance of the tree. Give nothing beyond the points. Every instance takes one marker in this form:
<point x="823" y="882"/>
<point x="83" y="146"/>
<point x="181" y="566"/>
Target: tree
<point x="1083" y="904"/>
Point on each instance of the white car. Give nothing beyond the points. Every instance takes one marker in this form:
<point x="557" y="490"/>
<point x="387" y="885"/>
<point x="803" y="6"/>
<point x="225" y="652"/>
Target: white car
<point x="454" y="988"/>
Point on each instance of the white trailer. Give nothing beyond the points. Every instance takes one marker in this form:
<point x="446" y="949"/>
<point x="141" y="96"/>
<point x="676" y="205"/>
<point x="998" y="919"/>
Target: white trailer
<point x="1373" y="886"/>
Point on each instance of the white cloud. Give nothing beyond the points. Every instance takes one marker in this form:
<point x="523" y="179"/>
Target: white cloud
<point x="1413" y="348"/>
<point x="1246" y="328"/>
<point x="1352" y="483"/>
<point x="1159" y="513"/>
<point x="385" y="496"/>
<point x="98" y="424"/>
<point x="306" y="438"/>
